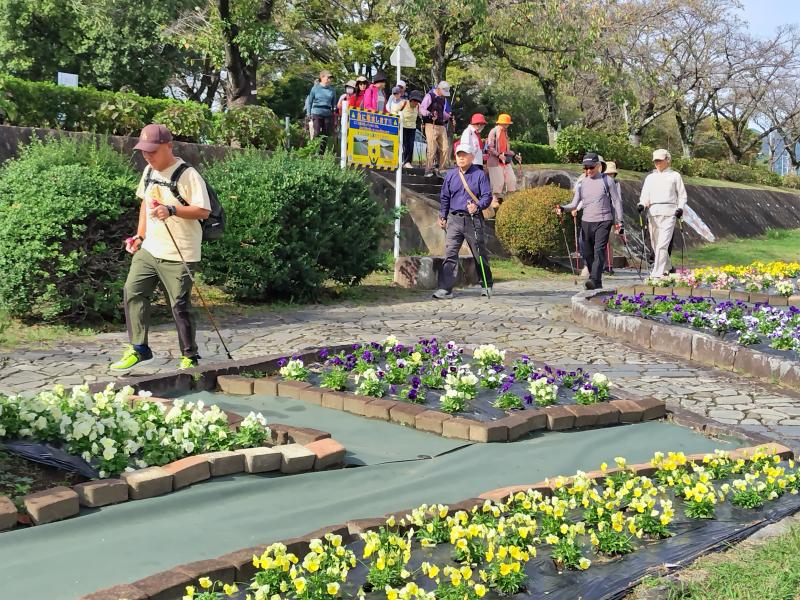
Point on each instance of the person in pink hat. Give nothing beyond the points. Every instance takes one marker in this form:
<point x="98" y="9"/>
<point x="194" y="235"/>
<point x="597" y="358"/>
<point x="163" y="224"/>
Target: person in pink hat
<point x="169" y="233"/>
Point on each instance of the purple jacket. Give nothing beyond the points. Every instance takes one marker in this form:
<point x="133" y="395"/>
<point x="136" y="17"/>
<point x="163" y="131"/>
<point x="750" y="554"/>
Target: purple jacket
<point x="453" y="195"/>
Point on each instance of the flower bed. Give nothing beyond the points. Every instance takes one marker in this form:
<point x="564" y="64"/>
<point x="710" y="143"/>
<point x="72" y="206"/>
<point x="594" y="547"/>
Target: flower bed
<point x="515" y="539"/>
<point x="761" y="326"/>
<point x="154" y="445"/>
<point x="775" y="277"/>
<point x="434" y="375"/>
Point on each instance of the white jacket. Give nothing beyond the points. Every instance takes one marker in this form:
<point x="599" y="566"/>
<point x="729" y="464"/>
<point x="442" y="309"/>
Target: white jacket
<point x="471" y="136"/>
<point x="663" y="192"/>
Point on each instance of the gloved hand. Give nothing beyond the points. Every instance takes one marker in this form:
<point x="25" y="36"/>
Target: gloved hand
<point x="640" y="207"/>
<point x="679" y="213"/>
<point x="621" y="231"/>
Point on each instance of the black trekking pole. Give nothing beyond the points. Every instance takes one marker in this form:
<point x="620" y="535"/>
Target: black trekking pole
<point x="199" y="294"/>
<point x="683" y="243"/>
<point x="566" y="247"/>
<point x="628" y="252"/>
<point x="644" y="246"/>
<point x="480" y="256"/>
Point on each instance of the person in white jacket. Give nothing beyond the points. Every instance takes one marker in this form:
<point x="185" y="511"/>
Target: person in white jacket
<point x="472" y="137"/>
<point x="664" y="195"/>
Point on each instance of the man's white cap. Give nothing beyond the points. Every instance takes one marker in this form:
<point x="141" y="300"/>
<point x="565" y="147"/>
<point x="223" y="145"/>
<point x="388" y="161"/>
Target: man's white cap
<point x="401" y="83"/>
<point x="466" y="146"/>
<point x="661" y="154"/>
<point x="445" y="87"/>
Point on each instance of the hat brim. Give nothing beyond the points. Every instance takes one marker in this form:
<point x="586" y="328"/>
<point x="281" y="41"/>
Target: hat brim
<point x="146" y="146"/>
<point x="590" y="163"/>
<point x="445" y="92"/>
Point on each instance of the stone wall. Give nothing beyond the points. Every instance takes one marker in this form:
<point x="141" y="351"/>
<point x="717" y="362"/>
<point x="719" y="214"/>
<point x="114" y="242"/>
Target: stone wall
<point x="195" y="154"/>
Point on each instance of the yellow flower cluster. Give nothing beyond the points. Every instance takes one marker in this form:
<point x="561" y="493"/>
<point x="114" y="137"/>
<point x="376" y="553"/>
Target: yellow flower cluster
<point x="492" y="542"/>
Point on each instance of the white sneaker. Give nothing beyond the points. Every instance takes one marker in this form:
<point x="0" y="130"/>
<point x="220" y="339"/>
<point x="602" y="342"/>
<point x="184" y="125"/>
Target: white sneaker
<point x="442" y="295"/>
<point x="408" y="166"/>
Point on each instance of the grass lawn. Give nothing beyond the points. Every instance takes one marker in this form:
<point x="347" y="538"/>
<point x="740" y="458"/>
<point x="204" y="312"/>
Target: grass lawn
<point x="768" y="570"/>
<point x="376" y="287"/>
<point x="627" y="175"/>
<point x="776" y="244"/>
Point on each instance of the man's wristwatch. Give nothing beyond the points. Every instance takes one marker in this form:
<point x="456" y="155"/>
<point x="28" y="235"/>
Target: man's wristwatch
<point x="138" y="237"/>
<point x="171" y="210"/>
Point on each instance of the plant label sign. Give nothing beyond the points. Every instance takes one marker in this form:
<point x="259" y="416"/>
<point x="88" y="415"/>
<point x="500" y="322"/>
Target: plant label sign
<point x="373" y="139"/>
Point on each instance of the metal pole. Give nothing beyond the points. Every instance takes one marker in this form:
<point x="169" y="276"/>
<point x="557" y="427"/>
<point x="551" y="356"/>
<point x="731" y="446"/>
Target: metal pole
<point x="288" y="133"/>
<point x="398" y="185"/>
<point x="343" y="128"/>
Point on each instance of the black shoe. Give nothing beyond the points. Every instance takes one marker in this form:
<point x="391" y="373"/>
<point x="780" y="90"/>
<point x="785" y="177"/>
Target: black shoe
<point x="589" y="284"/>
<point x="672" y="270"/>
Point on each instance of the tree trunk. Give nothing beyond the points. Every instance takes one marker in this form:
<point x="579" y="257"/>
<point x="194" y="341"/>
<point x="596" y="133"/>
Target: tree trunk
<point x="635" y="138"/>
<point x="686" y="131"/>
<point x="241" y="85"/>
<point x="549" y="90"/>
<point x="438" y="63"/>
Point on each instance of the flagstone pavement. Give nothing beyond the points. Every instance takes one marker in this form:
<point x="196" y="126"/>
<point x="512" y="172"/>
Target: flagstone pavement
<point x="525" y="316"/>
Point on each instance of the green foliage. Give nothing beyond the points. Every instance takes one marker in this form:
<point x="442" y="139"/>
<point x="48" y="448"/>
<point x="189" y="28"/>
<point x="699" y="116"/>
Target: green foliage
<point x="701" y="167"/>
<point x="124" y="115"/>
<point x="188" y="121"/>
<point x="573" y="142"/>
<point x="250" y="126"/>
<point x="293" y="223"/>
<point x="527" y="225"/>
<point x="61" y="226"/>
<point x="534" y="153"/>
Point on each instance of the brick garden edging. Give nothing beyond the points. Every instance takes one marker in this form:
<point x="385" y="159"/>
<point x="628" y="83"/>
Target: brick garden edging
<point x="294" y="450"/>
<point x="706" y="292"/>
<point x="634" y="408"/>
<point x="684" y="343"/>
<point x="238" y="566"/>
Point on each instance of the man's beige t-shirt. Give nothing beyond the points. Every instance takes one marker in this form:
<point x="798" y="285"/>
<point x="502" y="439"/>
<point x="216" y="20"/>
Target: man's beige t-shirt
<point x="188" y="233"/>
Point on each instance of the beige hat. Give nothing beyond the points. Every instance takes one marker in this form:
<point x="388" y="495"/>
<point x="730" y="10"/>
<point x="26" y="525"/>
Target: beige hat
<point x="611" y="168"/>
<point x="661" y="154"/>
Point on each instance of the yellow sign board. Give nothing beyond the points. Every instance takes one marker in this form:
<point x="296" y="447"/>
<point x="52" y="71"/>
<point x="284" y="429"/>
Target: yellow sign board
<point x="373" y="139"/>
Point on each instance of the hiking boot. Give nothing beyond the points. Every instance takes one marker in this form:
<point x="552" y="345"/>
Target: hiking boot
<point x="486" y="291"/>
<point x="442" y="295"/>
<point x="132" y="357"/>
<point x="187" y="362"/>
<point x="589" y="284"/>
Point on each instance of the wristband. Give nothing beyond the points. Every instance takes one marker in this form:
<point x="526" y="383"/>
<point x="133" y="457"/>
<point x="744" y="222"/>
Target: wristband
<point x="172" y="210"/>
<point x="138" y="237"/>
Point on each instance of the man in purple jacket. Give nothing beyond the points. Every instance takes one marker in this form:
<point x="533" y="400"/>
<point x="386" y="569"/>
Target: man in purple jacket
<point x="460" y="215"/>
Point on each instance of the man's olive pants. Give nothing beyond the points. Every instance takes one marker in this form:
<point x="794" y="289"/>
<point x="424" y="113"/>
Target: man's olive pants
<point x="145" y="274"/>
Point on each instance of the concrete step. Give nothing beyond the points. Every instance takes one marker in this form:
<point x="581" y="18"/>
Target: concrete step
<point x="428" y="189"/>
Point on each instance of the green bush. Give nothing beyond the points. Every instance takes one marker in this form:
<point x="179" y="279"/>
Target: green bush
<point x="124" y="115"/>
<point x="535" y="153"/>
<point x="573" y="142"/>
<point x="250" y="126"/>
<point x="293" y="223"/>
<point x="61" y="231"/>
<point x="791" y="180"/>
<point x="188" y="121"/>
<point x="528" y="227"/>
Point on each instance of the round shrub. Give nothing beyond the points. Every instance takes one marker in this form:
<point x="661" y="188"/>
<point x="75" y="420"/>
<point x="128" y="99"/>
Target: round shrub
<point x="293" y="223"/>
<point x="61" y="232"/>
<point x="528" y="227"/>
<point x="250" y="126"/>
<point x="188" y="121"/>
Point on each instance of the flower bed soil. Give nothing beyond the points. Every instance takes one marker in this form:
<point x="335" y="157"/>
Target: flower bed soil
<point x="480" y="572"/>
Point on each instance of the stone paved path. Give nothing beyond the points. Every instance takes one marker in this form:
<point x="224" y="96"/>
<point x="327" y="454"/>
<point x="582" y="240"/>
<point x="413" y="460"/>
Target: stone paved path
<point x="525" y="316"/>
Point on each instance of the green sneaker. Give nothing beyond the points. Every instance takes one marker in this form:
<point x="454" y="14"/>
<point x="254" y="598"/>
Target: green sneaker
<point x="187" y="363"/>
<point x="131" y="358"/>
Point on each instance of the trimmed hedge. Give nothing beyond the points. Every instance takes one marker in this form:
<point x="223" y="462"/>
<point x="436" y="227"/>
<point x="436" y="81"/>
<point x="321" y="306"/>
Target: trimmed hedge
<point x="294" y="222"/>
<point x="528" y="227"/>
<point x="535" y="153"/>
<point x="65" y="207"/>
<point x="42" y="104"/>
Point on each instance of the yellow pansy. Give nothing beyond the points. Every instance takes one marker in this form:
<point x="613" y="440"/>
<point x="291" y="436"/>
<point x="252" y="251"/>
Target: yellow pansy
<point x="230" y="589"/>
<point x="204" y="582"/>
<point x="333" y="588"/>
<point x="480" y="590"/>
<point x="300" y="584"/>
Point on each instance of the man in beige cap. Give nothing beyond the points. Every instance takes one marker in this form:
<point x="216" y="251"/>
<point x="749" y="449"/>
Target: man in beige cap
<point x="435" y="116"/>
<point x="169" y="233"/>
<point x="664" y="195"/>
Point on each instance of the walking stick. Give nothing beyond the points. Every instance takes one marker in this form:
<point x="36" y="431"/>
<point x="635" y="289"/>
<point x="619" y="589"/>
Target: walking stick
<point x="644" y="246"/>
<point x="196" y="287"/>
<point x="629" y="254"/>
<point x="683" y="243"/>
<point x="575" y="231"/>
<point x="566" y="246"/>
<point x="480" y="255"/>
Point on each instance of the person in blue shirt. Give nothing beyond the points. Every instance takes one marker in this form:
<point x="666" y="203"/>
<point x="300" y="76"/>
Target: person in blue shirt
<point x="320" y="105"/>
<point x="465" y="194"/>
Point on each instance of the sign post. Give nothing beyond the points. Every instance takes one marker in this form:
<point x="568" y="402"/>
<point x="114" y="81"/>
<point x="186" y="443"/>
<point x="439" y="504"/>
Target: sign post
<point x="402" y="56"/>
<point x="343" y="129"/>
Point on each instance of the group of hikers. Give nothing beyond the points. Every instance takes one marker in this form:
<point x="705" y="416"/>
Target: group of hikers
<point x="178" y="210"/>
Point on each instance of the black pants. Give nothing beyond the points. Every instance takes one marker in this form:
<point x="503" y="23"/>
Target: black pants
<point x="323" y="126"/>
<point x="409" y="137"/>
<point x="459" y="228"/>
<point x="595" y="238"/>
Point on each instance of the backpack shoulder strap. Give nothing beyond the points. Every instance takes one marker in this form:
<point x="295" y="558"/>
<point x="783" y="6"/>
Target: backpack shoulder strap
<point x="173" y="182"/>
<point x="466" y="186"/>
<point x="148" y="176"/>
